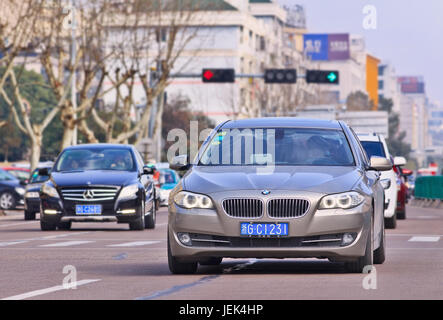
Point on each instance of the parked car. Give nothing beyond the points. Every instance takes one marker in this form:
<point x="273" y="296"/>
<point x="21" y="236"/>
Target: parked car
<point x="32" y="196"/>
<point x="306" y="190"/>
<point x="21" y="174"/>
<point x="375" y="145"/>
<point x="98" y="183"/>
<point x="168" y="180"/>
<point x="12" y="191"/>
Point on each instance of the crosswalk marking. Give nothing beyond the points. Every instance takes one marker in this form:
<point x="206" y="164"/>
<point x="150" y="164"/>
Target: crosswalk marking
<point x="134" y="244"/>
<point x="5" y="244"/>
<point x="424" y="239"/>
<point x="65" y="244"/>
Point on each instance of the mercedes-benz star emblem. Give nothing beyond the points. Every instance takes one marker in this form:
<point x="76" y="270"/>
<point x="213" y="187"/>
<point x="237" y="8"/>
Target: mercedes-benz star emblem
<point x="88" y="194"/>
<point x="265" y="192"/>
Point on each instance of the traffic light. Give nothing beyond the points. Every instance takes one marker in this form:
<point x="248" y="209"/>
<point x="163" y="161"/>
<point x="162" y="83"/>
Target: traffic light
<point x="322" y="76"/>
<point x="218" y="75"/>
<point x="280" y="76"/>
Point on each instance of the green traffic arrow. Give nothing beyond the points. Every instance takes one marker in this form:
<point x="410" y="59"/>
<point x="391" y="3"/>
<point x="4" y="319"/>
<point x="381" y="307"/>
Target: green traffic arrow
<point x="332" y="77"/>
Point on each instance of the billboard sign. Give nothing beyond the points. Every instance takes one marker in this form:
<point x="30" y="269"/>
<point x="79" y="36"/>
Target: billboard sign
<point x="338" y="47"/>
<point x="412" y="85"/>
<point x="316" y="46"/>
<point x="324" y="47"/>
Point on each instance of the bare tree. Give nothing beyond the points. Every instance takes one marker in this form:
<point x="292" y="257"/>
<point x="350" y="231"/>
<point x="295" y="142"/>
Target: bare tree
<point x="148" y="38"/>
<point x="21" y="29"/>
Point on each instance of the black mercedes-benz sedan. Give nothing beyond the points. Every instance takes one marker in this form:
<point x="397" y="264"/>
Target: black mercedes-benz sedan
<point x="98" y="183"/>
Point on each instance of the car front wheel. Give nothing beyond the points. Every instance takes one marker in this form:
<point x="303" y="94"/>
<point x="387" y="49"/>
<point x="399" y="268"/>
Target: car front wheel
<point x="47" y="226"/>
<point x="139" y="223"/>
<point x="7" y="201"/>
<point x="29" y="215"/>
<point x="151" y="218"/>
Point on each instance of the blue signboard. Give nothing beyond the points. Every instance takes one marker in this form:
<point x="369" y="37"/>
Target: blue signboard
<point x="316" y="46"/>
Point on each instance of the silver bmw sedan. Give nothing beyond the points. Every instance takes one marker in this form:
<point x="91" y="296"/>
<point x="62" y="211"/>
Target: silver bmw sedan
<point x="278" y="188"/>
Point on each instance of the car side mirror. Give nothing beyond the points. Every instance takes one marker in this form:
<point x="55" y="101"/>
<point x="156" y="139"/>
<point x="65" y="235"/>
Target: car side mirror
<point x="179" y="163"/>
<point x="147" y="170"/>
<point x="399" y="161"/>
<point x="380" y="164"/>
<point x="43" y="172"/>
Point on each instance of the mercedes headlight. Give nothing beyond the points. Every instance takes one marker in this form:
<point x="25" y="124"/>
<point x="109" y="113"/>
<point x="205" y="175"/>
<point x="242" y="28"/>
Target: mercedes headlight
<point x="129" y="192"/>
<point x="50" y="191"/>
<point x="345" y="200"/>
<point x="191" y="200"/>
<point x="386" y="183"/>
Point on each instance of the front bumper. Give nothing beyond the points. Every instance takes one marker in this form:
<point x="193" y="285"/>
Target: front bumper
<point x="304" y="232"/>
<point x="64" y="211"/>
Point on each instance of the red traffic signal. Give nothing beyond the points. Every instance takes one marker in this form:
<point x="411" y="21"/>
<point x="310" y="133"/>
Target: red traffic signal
<point x="218" y="75"/>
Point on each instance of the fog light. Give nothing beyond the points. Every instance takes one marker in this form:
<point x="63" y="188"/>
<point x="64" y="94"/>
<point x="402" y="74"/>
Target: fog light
<point x="348" y="238"/>
<point x="185" y="239"/>
<point x="50" y="211"/>
<point x="127" y="211"/>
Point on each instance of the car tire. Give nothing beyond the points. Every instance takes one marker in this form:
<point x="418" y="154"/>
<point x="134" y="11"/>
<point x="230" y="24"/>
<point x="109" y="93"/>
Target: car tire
<point x="7" y="201"/>
<point x="401" y="215"/>
<point x="139" y="224"/>
<point x="151" y="218"/>
<point x="211" y="261"/>
<point x="380" y="253"/>
<point x="65" y="225"/>
<point x="391" y="223"/>
<point x="29" y="215"/>
<point x="177" y="267"/>
<point x="47" y="226"/>
<point x="358" y="266"/>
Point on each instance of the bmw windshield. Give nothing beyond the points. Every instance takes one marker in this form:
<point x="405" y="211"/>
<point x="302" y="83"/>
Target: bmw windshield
<point x="95" y="159"/>
<point x="278" y="146"/>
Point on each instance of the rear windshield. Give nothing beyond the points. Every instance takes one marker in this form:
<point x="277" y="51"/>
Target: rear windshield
<point x="374" y="149"/>
<point x="96" y="159"/>
<point x="278" y="146"/>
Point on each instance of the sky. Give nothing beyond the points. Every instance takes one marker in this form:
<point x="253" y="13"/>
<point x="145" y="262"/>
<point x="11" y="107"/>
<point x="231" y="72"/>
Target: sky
<point x="409" y="33"/>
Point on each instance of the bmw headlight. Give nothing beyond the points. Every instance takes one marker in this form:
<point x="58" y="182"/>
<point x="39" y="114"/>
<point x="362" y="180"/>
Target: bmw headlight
<point x="386" y="183"/>
<point x="50" y="191"/>
<point x="191" y="200"/>
<point x="129" y="192"/>
<point x="345" y="200"/>
<point x="20" y="191"/>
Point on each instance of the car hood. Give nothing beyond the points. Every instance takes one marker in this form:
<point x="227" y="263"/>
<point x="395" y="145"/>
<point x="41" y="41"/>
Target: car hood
<point x="83" y="178"/>
<point x="12" y="183"/>
<point x="311" y="179"/>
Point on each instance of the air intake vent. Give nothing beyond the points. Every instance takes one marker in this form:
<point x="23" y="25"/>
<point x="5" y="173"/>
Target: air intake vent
<point x="243" y="208"/>
<point x="287" y="208"/>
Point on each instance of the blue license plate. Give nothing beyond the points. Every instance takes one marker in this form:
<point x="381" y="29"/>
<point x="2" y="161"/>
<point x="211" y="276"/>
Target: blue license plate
<point x="88" y="209"/>
<point x="264" y="229"/>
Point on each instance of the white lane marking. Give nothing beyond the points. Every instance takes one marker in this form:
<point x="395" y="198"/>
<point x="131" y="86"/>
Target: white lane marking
<point x="16" y="224"/>
<point x="424" y="239"/>
<point x="5" y="244"/>
<point x="65" y="244"/>
<point x="61" y="236"/>
<point x="161" y="224"/>
<point x="49" y="290"/>
<point x="134" y="244"/>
